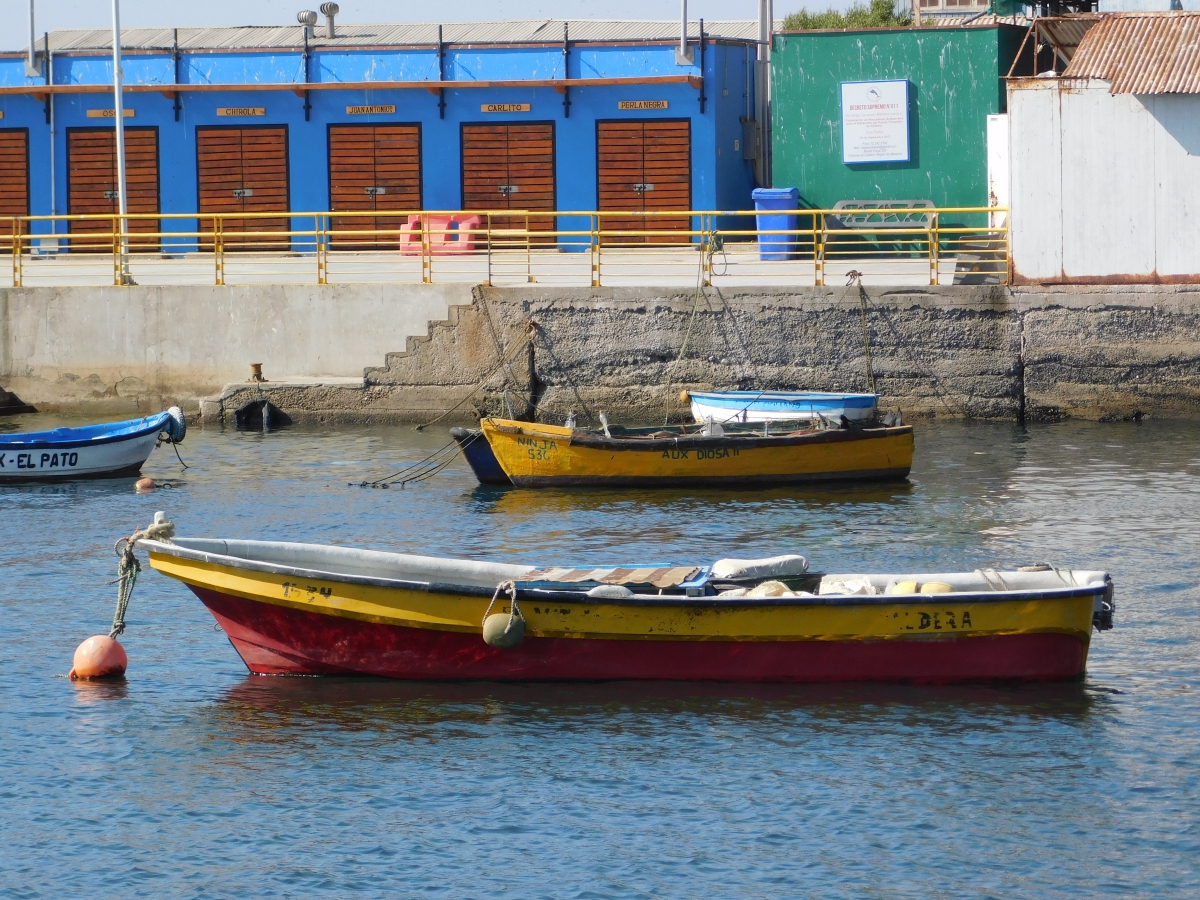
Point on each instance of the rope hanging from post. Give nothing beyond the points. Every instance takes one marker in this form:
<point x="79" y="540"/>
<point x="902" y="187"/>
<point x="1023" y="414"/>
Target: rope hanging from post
<point x="854" y="277"/>
<point x="687" y="335"/>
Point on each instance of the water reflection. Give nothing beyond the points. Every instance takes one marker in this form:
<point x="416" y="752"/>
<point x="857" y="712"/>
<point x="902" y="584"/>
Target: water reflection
<point x="679" y="501"/>
<point x="371" y="705"/>
<point x="91" y="692"/>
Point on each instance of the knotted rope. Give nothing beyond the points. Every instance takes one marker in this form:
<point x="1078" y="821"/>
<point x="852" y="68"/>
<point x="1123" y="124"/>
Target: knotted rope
<point x="514" y="611"/>
<point x="128" y="568"/>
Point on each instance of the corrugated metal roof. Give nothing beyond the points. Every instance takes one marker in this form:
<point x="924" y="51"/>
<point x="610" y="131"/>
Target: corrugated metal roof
<point x="1066" y="32"/>
<point x="1142" y="53"/>
<point x="351" y="36"/>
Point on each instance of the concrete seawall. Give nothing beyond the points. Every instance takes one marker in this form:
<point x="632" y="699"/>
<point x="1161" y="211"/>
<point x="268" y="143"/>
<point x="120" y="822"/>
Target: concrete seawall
<point x="113" y="351"/>
<point x="981" y="351"/>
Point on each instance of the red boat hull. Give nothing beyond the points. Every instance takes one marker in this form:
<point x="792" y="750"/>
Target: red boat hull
<point x="280" y="640"/>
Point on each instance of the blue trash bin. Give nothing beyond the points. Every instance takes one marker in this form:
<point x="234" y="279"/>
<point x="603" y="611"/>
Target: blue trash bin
<point x="773" y="206"/>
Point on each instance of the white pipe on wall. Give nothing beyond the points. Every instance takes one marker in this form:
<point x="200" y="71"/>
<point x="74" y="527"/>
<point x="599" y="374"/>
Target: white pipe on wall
<point x="762" y="93"/>
<point x="53" y="138"/>
<point x="684" y="55"/>
<point x="32" y="65"/>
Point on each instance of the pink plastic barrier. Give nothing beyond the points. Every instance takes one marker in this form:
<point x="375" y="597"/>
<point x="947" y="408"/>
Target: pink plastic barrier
<point x="447" y="234"/>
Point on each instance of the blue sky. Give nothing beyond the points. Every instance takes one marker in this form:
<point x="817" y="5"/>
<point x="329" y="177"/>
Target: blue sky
<point x="52" y="14"/>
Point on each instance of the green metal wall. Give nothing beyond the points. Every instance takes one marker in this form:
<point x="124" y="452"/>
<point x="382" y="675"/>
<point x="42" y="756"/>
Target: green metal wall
<point x="954" y="77"/>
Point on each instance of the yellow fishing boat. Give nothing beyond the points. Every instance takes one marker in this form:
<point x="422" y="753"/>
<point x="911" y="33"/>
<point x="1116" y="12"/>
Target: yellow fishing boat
<point x="535" y="455"/>
<point x="304" y="609"/>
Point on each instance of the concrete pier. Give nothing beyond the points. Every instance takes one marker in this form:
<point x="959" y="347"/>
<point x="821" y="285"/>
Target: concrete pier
<point x="126" y="350"/>
<point x="334" y="353"/>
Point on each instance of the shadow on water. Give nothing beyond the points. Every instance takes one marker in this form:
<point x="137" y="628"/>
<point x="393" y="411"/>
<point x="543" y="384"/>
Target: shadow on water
<point x="376" y="704"/>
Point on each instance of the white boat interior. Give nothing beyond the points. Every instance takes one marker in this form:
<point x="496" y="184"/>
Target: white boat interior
<point x="350" y="562"/>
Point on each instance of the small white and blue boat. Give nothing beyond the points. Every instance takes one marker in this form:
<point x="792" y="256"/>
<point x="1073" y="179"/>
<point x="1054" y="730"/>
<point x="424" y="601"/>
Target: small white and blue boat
<point x="725" y="407"/>
<point x="111" y="450"/>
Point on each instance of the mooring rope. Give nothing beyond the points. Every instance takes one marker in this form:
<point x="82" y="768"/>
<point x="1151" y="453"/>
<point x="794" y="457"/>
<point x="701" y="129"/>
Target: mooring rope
<point x="530" y="330"/>
<point x="687" y="336"/>
<point x="128" y="568"/>
<point x="854" y="277"/>
<point x="175" y="447"/>
<point x="423" y="469"/>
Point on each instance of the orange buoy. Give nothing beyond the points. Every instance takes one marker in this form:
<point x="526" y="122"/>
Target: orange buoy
<point x="99" y="657"/>
<point x="144" y="485"/>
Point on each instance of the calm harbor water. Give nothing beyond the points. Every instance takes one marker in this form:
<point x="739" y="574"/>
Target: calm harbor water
<point x="194" y="779"/>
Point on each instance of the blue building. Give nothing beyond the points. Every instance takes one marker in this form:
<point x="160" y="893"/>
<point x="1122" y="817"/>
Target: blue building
<point x="540" y="116"/>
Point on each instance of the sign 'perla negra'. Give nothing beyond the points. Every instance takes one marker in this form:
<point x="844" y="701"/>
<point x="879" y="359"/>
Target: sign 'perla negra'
<point x="874" y="121"/>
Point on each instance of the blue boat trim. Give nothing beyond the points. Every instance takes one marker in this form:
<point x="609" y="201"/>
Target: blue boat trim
<point x="86" y="435"/>
<point x="785" y="400"/>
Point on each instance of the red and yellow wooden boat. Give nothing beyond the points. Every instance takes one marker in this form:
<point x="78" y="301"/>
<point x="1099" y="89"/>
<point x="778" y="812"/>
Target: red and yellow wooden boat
<point x="536" y="455"/>
<point x="304" y="609"/>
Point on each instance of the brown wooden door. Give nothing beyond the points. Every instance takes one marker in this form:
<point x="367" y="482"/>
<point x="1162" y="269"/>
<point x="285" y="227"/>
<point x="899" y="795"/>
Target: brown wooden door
<point x="509" y="166"/>
<point x="644" y="165"/>
<point x="14" y="176"/>
<point x="92" y="185"/>
<point x="244" y="170"/>
<point x="373" y="168"/>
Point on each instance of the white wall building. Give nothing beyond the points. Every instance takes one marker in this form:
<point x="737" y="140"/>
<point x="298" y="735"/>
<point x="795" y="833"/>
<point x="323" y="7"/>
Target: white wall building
<point x="1105" y="159"/>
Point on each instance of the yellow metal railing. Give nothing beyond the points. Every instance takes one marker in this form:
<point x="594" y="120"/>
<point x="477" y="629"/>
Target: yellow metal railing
<point x="962" y="244"/>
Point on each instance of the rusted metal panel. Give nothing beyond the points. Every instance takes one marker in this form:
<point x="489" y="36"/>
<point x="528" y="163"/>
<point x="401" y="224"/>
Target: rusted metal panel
<point x="1142" y="53"/>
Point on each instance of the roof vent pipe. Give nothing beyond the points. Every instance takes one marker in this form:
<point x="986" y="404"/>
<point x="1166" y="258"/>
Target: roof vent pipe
<point x="33" y="65"/>
<point x="330" y="10"/>
<point x="684" y="55"/>
<point x="308" y="19"/>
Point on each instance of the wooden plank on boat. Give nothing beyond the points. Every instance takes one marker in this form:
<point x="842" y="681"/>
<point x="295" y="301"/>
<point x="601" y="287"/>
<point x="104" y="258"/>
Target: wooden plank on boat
<point x="660" y="577"/>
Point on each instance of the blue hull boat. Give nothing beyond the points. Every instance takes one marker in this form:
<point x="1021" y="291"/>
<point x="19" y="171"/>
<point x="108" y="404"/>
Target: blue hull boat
<point x="110" y="450"/>
<point x="780" y="406"/>
<point x="479" y="455"/>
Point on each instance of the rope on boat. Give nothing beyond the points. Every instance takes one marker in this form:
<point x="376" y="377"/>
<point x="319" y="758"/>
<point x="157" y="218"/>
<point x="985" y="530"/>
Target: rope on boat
<point x="175" y="432"/>
<point x="513" y="630"/>
<point x="175" y="447"/>
<point x="988" y="575"/>
<point x="128" y="568"/>
<point x="530" y="331"/>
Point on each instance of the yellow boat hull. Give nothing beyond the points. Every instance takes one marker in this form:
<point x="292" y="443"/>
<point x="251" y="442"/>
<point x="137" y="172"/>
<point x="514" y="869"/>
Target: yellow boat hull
<point x="534" y="455"/>
<point x="286" y="622"/>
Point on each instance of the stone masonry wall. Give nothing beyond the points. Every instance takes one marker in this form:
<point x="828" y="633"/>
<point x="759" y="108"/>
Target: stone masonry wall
<point x="964" y="351"/>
